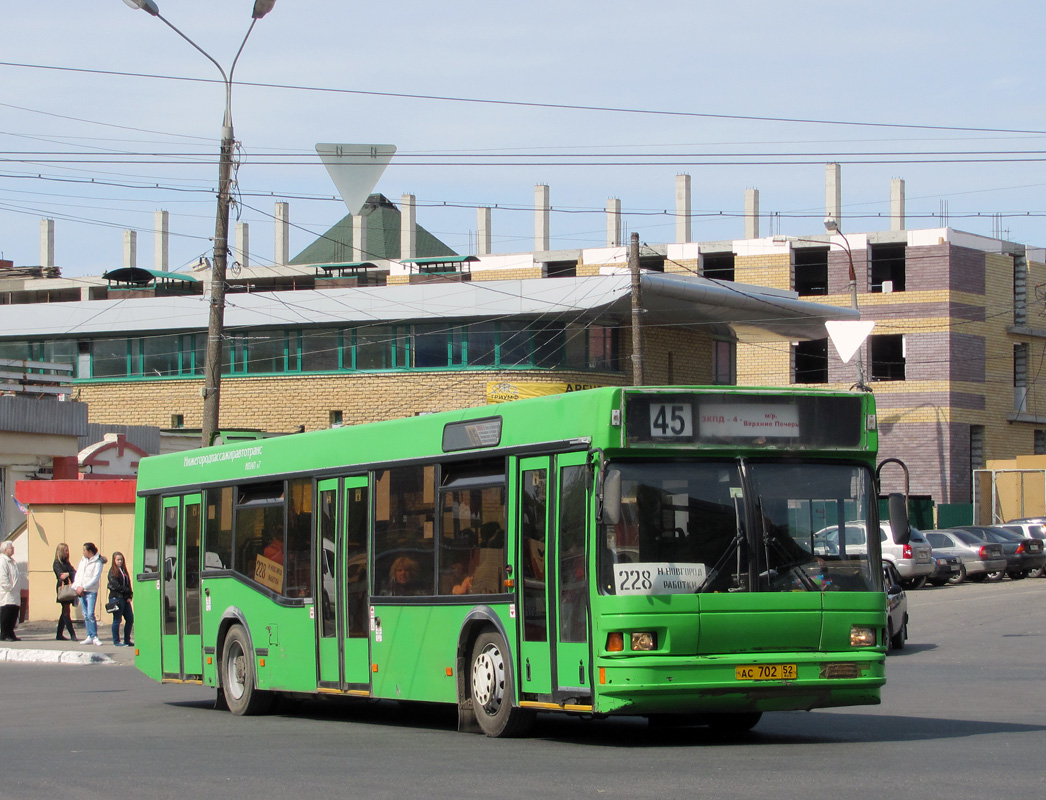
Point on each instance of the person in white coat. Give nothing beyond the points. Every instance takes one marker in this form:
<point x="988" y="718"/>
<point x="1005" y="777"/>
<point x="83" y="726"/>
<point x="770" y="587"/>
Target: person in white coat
<point x="88" y="577"/>
<point x="10" y="601"/>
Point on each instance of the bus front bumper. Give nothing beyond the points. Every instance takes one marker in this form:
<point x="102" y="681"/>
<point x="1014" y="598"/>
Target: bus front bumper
<point x="731" y="683"/>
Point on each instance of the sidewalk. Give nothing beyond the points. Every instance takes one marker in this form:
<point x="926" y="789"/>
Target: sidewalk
<point x="38" y="646"/>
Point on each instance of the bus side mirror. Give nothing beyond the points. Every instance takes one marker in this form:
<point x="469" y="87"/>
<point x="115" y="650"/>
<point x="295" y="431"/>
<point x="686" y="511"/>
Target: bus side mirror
<point x="611" y="511"/>
<point x="899" y="525"/>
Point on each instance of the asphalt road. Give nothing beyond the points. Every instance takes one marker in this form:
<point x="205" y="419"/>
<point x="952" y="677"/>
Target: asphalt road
<point x="963" y="716"/>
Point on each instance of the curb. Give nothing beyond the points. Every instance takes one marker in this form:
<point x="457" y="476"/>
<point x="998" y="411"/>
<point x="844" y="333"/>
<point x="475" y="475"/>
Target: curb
<point x="8" y="654"/>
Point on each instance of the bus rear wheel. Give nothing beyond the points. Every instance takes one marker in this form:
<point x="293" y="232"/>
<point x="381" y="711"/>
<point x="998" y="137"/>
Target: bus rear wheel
<point x="238" y="676"/>
<point x="490" y="689"/>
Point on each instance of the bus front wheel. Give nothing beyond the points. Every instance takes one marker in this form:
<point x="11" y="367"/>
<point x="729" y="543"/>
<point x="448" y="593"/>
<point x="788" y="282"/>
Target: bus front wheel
<point x="493" y="699"/>
<point x="238" y="676"/>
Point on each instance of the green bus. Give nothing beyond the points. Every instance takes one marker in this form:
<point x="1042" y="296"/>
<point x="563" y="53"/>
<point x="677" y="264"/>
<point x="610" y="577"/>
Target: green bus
<point x="670" y="552"/>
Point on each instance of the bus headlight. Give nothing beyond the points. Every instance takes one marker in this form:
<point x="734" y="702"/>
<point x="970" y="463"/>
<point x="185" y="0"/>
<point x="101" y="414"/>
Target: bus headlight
<point x="644" y="640"/>
<point x="862" y="636"/>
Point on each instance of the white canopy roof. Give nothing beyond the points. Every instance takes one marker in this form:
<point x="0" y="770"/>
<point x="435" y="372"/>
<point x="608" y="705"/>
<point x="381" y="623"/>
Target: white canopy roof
<point x="666" y="299"/>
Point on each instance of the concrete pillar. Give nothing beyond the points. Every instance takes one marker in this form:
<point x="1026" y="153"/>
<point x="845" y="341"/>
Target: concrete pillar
<point x="359" y="238"/>
<point x="408" y="226"/>
<point x="483" y="231"/>
<point x="241" y="249"/>
<point x="751" y="213"/>
<point x="47" y="243"/>
<point x="897" y="204"/>
<point x="683" y="231"/>
<point x="833" y="192"/>
<point x="613" y="222"/>
<point x="161" y="240"/>
<point x="542" y="240"/>
<point x="282" y="253"/>
<point x="130" y="248"/>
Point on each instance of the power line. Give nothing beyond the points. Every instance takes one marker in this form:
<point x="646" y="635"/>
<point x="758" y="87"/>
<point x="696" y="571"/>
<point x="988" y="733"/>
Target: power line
<point x="532" y="104"/>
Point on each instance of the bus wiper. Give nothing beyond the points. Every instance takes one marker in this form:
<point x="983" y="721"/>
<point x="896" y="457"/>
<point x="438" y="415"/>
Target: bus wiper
<point x="728" y="554"/>
<point x="788" y="564"/>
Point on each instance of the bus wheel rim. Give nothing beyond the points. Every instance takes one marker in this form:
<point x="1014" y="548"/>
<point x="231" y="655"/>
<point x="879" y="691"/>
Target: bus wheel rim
<point x="488" y="679"/>
<point x="236" y="672"/>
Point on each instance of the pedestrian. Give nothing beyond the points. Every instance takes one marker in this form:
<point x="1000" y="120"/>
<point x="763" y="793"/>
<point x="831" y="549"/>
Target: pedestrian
<point x="10" y="600"/>
<point x="121" y="594"/>
<point x="88" y="577"/>
<point x="65" y="575"/>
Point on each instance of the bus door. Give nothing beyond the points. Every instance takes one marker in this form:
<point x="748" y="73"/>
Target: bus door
<point x="181" y="645"/>
<point x="342" y="621"/>
<point x="553" y="503"/>
<point x="532" y="526"/>
<point x="573" y="659"/>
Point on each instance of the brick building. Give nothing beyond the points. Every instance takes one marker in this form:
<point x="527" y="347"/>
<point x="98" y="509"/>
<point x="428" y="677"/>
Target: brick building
<point x="376" y="320"/>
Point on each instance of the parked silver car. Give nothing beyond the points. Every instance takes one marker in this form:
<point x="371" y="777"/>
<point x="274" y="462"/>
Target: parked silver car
<point x="1022" y="555"/>
<point x="979" y="558"/>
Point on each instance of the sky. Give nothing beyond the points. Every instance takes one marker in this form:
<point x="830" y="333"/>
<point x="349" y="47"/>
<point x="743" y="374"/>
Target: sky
<point x="107" y="115"/>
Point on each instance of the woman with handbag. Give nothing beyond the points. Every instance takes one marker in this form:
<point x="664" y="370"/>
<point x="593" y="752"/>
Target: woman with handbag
<point x="119" y="604"/>
<point x="65" y="574"/>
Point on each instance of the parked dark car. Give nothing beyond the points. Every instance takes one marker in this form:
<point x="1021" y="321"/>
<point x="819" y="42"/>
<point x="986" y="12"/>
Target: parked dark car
<point x="1032" y="528"/>
<point x="1022" y="555"/>
<point x="947" y="568"/>
<point x="1032" y="551"/>
<point x="979" y="558"/>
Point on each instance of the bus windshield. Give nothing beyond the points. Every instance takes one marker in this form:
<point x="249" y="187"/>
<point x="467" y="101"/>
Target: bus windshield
<point x="730" y="526"/>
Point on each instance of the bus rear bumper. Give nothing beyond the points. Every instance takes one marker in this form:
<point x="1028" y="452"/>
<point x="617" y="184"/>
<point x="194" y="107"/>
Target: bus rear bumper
<point x="709" y="684"/>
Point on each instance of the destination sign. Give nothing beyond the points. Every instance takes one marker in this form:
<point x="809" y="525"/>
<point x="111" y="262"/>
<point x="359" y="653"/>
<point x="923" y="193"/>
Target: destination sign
<point x="763" y="419"/>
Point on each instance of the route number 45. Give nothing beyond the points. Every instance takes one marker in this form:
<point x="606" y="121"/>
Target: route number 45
<point x="671" y="420"/>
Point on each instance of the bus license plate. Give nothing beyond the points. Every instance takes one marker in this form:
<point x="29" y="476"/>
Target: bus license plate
<point x="767" y="672"/>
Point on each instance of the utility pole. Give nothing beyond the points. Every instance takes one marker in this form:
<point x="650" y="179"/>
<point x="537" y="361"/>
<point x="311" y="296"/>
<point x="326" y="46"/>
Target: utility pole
<point x="212" y="370"/>
<point x="212" y="376"/>
<point x="637" y="310"/>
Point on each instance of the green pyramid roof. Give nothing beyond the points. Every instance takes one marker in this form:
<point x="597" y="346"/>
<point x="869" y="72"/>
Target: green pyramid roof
<point x="383" y="237"/>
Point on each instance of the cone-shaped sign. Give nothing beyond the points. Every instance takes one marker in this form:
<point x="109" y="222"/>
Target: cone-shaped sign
<point x="848" y="336"/>
<point x="355" y="169"/>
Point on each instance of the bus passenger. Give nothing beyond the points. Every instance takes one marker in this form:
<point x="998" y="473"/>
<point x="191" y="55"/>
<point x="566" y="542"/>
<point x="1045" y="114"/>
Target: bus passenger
<point x="403" y="579"/>
<point x="490" y="563"/>
<point x="460" y="578"/>
<point x="274" y="549"/>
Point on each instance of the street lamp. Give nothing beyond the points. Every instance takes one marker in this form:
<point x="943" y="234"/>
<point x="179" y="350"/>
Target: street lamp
<point x="831" y="225"/>
<point x="212" y="370"/>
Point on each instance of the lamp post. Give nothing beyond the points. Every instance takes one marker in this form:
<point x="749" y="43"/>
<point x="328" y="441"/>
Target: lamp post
<point x="212" y="371"/>
<point x="831" y="225"/>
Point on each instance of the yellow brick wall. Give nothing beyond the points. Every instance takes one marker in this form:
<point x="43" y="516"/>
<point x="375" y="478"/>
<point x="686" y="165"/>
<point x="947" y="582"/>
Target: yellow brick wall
<point x="773" y="270"/>
<point x="507" y="274"/>
<point x="686" y="266"/>
<point x="676" y="356"/>
<point x="764" y="363"/>
<point x="281" y="404"/>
